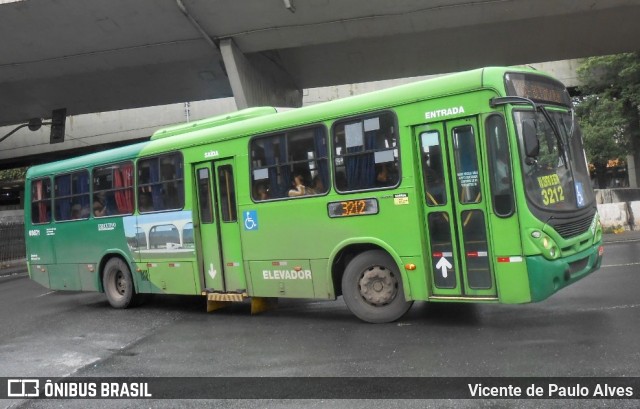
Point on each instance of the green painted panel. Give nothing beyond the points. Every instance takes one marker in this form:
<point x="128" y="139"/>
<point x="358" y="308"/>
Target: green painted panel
<point x="88" y="277"/>
<point x="64" y="277"/>
<point x="282" y="278"/>
<point x="39" y="244"/>
<point x="512" y="282"/>
<point x="548" y="276"/>
<point x="140" y="274"/>
<point x="417" y="279"/>
<point x="322" y="283"/>
<point x="39" y="274"/>
<point x="172" y="278"/>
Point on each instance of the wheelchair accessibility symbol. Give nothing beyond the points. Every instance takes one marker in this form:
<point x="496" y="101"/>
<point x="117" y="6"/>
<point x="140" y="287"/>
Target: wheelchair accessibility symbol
<point x="580" y="194"/>
<point x="251" y="220"/>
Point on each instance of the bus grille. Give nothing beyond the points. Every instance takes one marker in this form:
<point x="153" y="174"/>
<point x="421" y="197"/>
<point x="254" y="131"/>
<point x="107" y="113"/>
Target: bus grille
<point x="573" y="229"/>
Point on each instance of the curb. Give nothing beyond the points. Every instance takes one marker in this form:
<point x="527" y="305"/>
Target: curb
<point x="5" y="274"/>
<point x="14" y="268"/>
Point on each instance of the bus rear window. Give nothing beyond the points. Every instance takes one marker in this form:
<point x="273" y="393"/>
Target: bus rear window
<point x="41" y="201"/>
<point x="366" y="153"/>
<point x="161" y="183"/>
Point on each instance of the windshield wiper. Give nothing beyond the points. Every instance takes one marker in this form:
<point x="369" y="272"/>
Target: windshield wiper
<point x="496" y="101"/>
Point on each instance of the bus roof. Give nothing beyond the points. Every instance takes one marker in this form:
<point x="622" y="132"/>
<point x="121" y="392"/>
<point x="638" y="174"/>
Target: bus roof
<point x="264" y="120"/>
<point x="214" y="121"/>
<point x="84" y="161"/>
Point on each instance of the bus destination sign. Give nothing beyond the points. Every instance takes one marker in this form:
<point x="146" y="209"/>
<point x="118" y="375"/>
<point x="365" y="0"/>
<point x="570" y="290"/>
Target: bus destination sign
<point x="356" y="207"/>
<point x="537" y="88"/>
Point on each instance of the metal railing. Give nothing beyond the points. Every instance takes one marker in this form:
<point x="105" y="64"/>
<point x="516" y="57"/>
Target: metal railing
<point x="12" y="247"/>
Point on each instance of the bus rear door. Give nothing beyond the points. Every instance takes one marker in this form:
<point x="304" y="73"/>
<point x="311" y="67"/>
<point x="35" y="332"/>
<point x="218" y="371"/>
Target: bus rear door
<point x="455" y="210"/>
<point x="219" y="247"/>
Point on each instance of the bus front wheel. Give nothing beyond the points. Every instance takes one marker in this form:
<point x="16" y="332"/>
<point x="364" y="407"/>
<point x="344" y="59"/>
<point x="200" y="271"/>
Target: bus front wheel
<point x="118" y="283"/>
<point x="372" y="288"/>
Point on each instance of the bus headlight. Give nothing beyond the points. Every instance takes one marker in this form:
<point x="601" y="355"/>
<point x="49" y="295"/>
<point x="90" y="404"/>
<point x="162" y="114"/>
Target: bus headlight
<point x="547" y="246"/>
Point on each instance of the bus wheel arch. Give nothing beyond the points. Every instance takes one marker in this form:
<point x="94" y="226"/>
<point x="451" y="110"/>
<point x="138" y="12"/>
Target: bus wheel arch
<point x="343" y="258"/>
<point x="117" y="281"/>
<point x="371" y="283"/>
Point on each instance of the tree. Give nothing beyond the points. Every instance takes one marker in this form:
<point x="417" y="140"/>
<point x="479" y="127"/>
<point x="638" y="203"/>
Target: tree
<point x="12" y="174"/>
<point x="608" y="110"/>
<point x="604" y="131"/>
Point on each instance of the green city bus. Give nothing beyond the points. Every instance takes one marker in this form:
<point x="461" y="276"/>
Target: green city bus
<point x="471" y="187"/>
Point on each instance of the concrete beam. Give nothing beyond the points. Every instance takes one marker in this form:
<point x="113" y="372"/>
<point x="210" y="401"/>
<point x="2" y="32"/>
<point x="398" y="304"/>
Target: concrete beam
<point x="269" y="85"/>
<point x="565" y="70"/>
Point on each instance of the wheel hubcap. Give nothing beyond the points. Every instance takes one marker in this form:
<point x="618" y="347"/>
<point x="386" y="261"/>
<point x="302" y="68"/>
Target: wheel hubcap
<point x="121" y="285"/>
<point x="378" y="286"/>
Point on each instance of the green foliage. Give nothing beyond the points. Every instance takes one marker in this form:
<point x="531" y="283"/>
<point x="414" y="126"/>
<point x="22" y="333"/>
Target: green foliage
<point x="13" y="174"/>
<point x="608" y="109"/>
<point x="614" y="76"/>
<point x="603" y="127"/>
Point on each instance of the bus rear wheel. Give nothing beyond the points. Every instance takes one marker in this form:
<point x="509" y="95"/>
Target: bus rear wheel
<point x="372" y="288"/>
<point x="118" y="284"/>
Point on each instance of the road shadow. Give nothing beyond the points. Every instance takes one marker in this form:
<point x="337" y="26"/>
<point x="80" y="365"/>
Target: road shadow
<point x="446" y="314"/>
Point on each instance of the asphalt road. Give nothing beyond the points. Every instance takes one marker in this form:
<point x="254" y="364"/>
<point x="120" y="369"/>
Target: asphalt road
<point x="589" y="329"/>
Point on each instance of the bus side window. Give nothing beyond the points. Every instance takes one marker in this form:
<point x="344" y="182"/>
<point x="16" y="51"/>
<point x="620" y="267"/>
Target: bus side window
<point x="71" y="198"/>
<point x="41" y="201"/>
<point x="161" y="183"/>
<point x="466" y="162"/>
<point x="113" y="190"/>
<point x="432" y="168"/>
<point x="291" y="164"/>
<point x="366" y="153"/>
<point x="501" y="180"/>
<point x="227" y="194"/>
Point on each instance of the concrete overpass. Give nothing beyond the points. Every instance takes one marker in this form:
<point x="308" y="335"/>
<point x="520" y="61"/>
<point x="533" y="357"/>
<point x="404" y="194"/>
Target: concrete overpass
<point x="94" y="132"/>
<point x="97" y="56"/>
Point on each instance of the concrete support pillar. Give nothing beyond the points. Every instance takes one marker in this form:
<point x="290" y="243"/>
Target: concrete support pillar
<point x="632" y="171"/>
<point x="258" y="84"/>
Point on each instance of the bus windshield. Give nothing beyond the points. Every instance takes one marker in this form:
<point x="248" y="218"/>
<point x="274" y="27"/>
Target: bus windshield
<point x="557" y="178"/>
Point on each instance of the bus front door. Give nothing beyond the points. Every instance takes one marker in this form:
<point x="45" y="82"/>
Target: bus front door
<point x="219" y="249"/>
<point x="455" y="210"/>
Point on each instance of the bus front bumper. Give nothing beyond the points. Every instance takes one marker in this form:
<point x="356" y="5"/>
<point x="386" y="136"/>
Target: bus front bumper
<point x="548" y="276"/>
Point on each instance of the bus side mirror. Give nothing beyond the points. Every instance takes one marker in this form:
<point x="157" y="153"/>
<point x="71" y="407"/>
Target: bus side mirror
<point x="531" y="143"/>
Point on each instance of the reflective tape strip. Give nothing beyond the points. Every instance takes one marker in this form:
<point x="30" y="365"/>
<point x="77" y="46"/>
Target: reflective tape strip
<point x="443" y="254"/>
<point x="152" y="265"/>
<point x="511" y="259"/>
<point x="279" y="263"/>
<point x="477" y="254"/>
<point x="174" y="264"/>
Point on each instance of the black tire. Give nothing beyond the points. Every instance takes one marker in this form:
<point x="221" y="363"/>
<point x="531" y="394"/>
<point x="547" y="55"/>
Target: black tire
<point x="118" y="284"/>
<point x="372" y="288"/>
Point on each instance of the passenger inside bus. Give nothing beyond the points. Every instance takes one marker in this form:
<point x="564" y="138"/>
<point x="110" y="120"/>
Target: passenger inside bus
<point x="262" y="192"/>
<point x="317" y="186"/>
<point x="76" y="211"/>
<point x="385" y="176"/>
<point x="144" y="202"/>
<point x="99" y="205"/>
<point x="298" y="187"/>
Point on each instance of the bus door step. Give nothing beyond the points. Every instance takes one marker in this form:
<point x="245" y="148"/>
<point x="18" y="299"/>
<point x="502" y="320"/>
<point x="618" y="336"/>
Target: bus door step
<point x="217" y="300"/>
